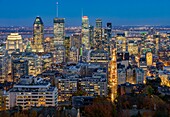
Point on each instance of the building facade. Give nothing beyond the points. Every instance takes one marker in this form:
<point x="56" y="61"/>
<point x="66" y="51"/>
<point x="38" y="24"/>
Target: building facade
<point x="32" y="91"/>
<point x="85" y="32"/>
<point x="38" y="35"/>
<point x="14" y="42"/>
<point x="19" y="68"/>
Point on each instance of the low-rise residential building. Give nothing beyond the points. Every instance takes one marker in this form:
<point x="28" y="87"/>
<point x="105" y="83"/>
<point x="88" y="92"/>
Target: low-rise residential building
<point x="32" y="91"/>
<point x="94" y="86"/>
<point x="66" y="88"/>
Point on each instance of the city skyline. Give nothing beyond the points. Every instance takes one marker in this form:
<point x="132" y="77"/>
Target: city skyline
<point x="21" y="13"/>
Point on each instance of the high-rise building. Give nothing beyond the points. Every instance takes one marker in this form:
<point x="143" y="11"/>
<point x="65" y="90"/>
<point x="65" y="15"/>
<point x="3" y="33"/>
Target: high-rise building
<point x="67" y="47"/>
<point x="107" y="37"/>
<point x="121" y="43"/>
<point x="19" y="68"/>
<point x="3" y="64"/>
<point x="32" y="62"/>
<point x="98" y="23"/>
<point x="75" y="40"/>
<point x="59" y="37"/>
<point x="38" y="35"/>
<point x="149" y="58"/>
<point x="47" y="44"/>
<point x="91" y="35"/>
<point x="142" y="63"/>
<point x="85" y="32"/>
<point x="47" y="60"/>
<point x="14" y="42"/>
<point x="60" y="55"/>
<point x="59" y="31"/>
<point x="133" y="48"/>
<point x="109" y="30"/>
<point x="74" y="55"/>
<point x="98" y="35"/>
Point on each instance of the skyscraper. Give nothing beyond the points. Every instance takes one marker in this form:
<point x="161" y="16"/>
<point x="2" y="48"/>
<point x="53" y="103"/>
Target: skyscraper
<point x="107" y="37"/>
<point x="85" y="32"/>
<point x="98" y="35"/>
<point x="91" y="35"/>
<point x="75" y="40"/>
<point x="109" y="30"/>
<point x="67" y="47"/>
<point x="59" y="37"/>
<point x="38" y="35"/>
<point x="59" y="30"/>
<point x="98" y="23"/>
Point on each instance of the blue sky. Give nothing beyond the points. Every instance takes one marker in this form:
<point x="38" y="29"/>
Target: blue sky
<point x="119" y="12"/>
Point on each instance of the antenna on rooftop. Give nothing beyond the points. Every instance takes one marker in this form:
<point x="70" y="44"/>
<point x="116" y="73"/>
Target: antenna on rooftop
<point x="57" y="8"/>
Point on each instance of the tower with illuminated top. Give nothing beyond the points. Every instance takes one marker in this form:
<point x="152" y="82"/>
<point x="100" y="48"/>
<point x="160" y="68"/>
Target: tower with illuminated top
<point x="85" y="32"/>
<point x="38" y="35"/>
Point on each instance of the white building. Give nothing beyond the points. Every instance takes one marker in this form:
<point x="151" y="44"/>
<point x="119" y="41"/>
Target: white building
<point x="32" y="91"/>
<point x="14" y="42"/>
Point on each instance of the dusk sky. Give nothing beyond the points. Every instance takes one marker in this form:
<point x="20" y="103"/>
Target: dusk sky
<point x="119" y="12"/>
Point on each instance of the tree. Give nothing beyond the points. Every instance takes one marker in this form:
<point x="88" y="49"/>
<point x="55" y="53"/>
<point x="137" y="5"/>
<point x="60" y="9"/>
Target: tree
<point x="33" y="113"/>
<point x="161" y="114"/>
<point x="148" y="90"/>
<point x="101" y="108"/>
<point x="4" y="114"/>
